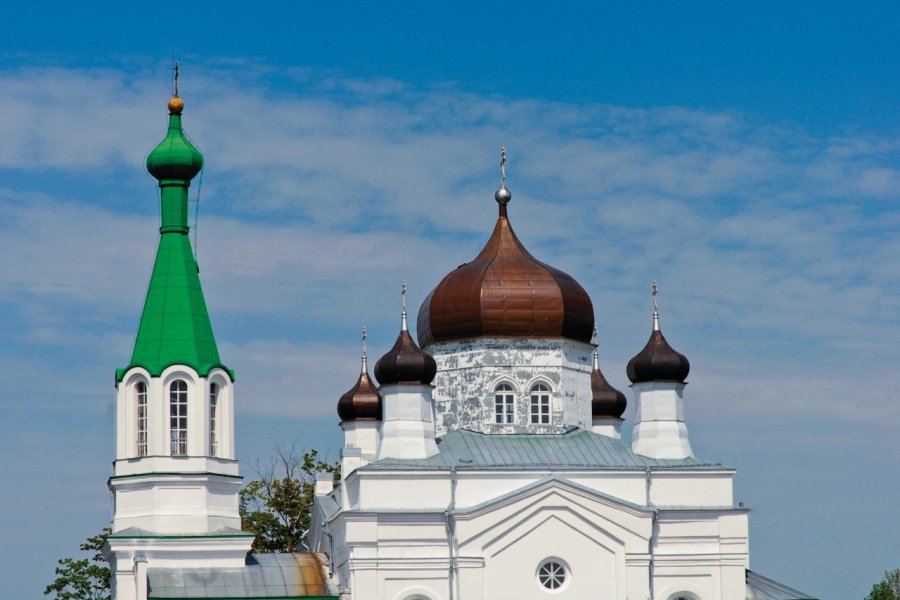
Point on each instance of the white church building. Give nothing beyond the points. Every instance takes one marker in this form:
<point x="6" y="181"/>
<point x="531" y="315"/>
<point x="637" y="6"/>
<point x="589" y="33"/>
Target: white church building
<point x="484" y="461"/>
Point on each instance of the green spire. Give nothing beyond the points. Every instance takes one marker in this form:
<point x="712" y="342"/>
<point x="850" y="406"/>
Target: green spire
<point x="175" y="326"/>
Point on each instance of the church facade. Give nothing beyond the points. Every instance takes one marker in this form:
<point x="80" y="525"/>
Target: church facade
<point x="484" y="460"/>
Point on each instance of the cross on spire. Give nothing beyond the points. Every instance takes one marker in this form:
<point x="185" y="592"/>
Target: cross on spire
<point x="654" y="291"/>
<point x="364" y="357"/>
<point x="502" y="166"/>
<point x="175" y="79"/>
<point x="403" y="325"/>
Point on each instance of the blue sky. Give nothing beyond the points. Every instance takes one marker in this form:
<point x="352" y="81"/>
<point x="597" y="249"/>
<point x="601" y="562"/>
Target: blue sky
<point x="743" y="155"/>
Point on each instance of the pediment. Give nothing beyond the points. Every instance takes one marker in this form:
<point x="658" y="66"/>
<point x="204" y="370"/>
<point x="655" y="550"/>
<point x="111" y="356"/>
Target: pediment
<point x="609" y="521"/>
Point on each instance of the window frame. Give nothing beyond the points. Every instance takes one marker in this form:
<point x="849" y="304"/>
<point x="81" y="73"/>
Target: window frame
<point x="553" y="575"/>
<point x="539" y="404"/>
<point x="504" y="404"/>
<point x="214" y="404"/>
<point x="142" y="420"/>
<point x="178" y="421"/>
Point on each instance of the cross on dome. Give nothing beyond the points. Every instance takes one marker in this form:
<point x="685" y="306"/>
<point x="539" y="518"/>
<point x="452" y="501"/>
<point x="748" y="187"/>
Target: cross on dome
<point x="176" y="104"/>
<point x="364" y="357"/>
<point x="653" y="293"/>
<point x="403" y="323"/>
<point x="503" y="195"/>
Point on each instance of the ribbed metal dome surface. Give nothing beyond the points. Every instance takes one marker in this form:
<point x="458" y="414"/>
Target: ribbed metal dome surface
<point x="505" y="292"/>
<point x="606" y="401"/>
<point x="362" y="402"/>
<point x="405" y="363"/>
<point x="658" y="361"/>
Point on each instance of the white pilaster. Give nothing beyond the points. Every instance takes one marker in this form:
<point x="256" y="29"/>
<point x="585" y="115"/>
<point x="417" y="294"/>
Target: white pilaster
<point x="660" y="430"/>
<point x="140" y="577"/>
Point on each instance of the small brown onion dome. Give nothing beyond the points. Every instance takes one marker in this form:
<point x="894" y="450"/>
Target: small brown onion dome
<point x="362" y="402"/>
<point x="658" y="361"/>
<point x="405" y="362"/>
<point x="606" y="401"/>
<point x="505" y="292"/>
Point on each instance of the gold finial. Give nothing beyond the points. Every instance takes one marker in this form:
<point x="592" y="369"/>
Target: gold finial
<point x="176" y="104"/>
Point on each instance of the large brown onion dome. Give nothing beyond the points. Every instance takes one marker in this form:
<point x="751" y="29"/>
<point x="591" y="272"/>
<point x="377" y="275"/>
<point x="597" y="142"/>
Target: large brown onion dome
<point x="606" y="401"/>
<point x="362" y="402"/>
<point x="405" y="362"/>
<point x="505" y="292"/>
<point x="658" y="361"/>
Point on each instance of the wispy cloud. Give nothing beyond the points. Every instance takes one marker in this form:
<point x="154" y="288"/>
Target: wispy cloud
<point x="315" y="202"/>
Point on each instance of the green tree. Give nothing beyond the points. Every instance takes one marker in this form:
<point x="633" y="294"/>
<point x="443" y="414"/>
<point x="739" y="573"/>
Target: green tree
<point x="276" y="506"/>
<point x="888" y="588"/>
<point x="83" y="579"/>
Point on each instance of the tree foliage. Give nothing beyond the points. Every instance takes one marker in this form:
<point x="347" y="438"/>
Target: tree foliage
<point x="888" y="588"/>
<point x="276" y="506"/>
<point x="83" y="579"/>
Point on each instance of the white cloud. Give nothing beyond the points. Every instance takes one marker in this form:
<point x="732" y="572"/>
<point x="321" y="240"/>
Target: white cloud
<point x="318" y="199"/>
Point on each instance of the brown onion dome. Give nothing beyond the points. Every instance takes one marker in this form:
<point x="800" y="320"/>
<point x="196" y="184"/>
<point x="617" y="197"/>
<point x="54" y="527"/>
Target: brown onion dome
<point x="658" y="361"/>
<point x="405" y="362"/>
<point x="606" y="401"/>
<point x="362" y="402"/>
<point x="505" y="292"/>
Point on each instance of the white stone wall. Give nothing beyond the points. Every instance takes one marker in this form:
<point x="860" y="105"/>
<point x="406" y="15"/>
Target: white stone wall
<point x="396" y="545"/>
<point x="660" y="430"/>
<point x="469" y="371"/>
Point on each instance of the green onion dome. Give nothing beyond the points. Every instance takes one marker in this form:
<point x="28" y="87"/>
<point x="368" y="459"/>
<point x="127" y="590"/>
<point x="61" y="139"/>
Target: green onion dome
<point x="175" y="157"/>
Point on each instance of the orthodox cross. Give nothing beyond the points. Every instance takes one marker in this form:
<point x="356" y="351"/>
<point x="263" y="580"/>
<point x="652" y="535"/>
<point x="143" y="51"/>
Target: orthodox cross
<point x="403" y="323"/>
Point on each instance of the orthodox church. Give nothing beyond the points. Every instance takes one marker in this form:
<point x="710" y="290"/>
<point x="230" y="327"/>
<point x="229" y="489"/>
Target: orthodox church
<point x="485" y="460"/>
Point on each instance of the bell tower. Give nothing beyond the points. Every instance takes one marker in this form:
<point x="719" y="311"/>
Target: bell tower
<point x="175" y="479"/>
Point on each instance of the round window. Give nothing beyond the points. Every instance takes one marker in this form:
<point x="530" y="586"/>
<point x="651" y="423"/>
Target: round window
<point x="552" y="574"/>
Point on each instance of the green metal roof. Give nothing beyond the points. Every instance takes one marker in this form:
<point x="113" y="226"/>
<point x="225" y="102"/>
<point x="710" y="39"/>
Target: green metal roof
<point x="576" y="448"/>
<point x="175" y="328"/>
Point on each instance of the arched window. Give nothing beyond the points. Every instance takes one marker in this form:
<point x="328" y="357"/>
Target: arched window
<point x="178" y="418"/>
<point x="213" y="414"/>
<point x="540" y="403"/>
<point x="504" y="404"/>
<point x="141" y="438"/>
<point x="683" y="596"/>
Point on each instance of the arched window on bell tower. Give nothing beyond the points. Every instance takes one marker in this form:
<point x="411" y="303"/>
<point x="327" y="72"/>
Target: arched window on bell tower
<point x="178" y="417"/>
<point x="213" y="416"/>
<point x="141" y="414"/>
